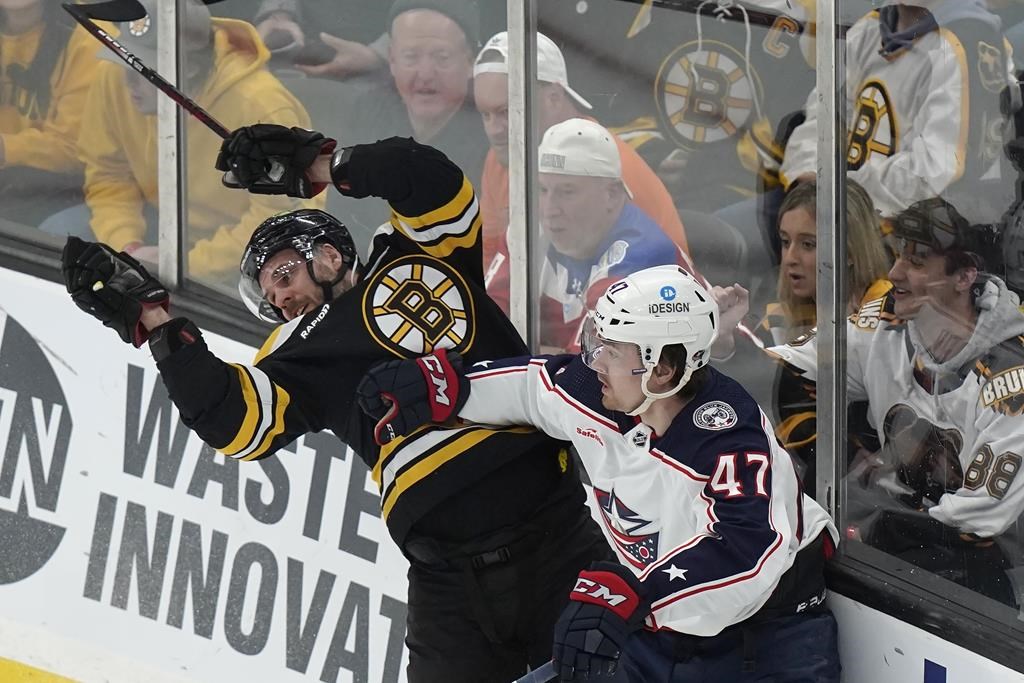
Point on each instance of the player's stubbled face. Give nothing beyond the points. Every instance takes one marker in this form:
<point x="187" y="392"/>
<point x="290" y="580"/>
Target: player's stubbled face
<point x="615" y="365"/>
<point x="798" y="234"/>
<point x="286" y="284"/>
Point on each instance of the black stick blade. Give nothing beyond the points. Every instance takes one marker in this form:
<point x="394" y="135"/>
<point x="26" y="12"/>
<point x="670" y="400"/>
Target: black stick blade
<point x="110" y="10"/>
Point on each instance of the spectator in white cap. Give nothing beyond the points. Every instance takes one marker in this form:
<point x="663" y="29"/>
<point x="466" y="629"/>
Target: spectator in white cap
<point x="598" y="235"/>
<point x="556" y="102"/>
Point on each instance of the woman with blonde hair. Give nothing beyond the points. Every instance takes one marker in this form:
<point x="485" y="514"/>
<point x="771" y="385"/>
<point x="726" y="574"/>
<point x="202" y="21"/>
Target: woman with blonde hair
<point x="793" y="317"/>
<point x="866" y="257"/>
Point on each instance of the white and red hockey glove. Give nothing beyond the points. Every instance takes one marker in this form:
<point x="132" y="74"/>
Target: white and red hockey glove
<point x="403" y="395"/>
<point x="606" y="606"/>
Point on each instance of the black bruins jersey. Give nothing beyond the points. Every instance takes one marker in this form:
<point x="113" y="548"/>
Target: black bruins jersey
<point x="421" y="289"/>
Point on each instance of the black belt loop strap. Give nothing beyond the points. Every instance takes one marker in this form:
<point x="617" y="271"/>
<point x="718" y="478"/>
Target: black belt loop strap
<point x="496" y="556"/>
<point x="470" y="567"/>
<point x="477" y="604"/>
<point x="749" y="649"/>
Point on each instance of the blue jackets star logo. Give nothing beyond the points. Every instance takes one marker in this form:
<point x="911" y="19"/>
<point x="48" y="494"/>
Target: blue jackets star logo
<point x="632" y="533"/>
<point x="675" y="572"/>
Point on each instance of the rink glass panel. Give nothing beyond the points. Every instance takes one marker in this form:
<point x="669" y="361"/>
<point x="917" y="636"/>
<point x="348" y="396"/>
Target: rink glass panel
<point x="929" y="478"/>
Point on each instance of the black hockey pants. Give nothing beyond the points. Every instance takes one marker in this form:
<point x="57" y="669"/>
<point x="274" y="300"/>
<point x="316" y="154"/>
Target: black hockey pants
<point x="483" y="610"/>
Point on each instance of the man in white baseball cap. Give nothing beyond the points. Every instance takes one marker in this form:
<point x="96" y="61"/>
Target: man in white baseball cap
<point x="556" y="102"/>
<point x="597" y="233"/>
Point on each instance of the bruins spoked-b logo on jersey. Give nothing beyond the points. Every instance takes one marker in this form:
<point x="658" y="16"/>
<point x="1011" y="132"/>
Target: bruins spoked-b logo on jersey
<point x="991" y="67"/>
<point x="417" y="304"/>
<point x="874" y="128"/>
<point x="705" y="95"/>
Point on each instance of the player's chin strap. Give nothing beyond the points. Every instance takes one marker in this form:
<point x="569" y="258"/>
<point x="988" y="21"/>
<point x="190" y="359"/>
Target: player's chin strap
<point x="650" y="397"/>
<point x="349" y="271"/>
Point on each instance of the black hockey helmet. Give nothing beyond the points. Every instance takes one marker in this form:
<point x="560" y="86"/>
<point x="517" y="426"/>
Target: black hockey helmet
<point x="300" y="230"/>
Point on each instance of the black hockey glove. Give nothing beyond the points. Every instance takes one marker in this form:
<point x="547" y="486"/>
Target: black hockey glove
<point x="605" y="607"/>
<point x="403" y="395"/>
<point x="270" y="159"/>
<point x="111" y="287"/>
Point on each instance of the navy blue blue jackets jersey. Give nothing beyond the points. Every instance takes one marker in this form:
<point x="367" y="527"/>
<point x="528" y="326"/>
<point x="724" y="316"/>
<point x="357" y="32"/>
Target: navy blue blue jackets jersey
<point x="709" y="515"/>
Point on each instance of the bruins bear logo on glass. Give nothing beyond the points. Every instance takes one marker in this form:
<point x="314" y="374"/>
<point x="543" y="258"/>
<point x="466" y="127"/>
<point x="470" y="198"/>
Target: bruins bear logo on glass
<point x="418" y="304"/>
<point x="874" y="130"/>
<point x="139" y="27"/>
<point x="705" y="96"/>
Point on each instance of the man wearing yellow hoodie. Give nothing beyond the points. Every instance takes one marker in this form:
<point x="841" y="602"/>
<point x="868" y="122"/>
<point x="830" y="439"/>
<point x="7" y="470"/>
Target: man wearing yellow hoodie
<point x="46" y="66"/>
<point x="225" y="73"/>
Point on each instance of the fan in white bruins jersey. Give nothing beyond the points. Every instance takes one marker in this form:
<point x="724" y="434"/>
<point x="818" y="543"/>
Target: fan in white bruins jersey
<point x="939" y="358"/>
<point x="473" y="509"/>
<point x="923" y="85"/>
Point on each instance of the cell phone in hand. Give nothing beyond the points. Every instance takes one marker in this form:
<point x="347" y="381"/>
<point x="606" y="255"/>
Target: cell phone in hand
<point x="280" y="42"/>
<point x="314" y="53"/>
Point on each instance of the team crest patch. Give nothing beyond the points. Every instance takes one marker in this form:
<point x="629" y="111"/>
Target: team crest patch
<point x="139" y="27"/>
<point x="715" y="415"/>
<point x="417" y="304"/>
<point x="991" y="67"/>
<point x="632" y="533"/>
<point x="1006" y="386"/>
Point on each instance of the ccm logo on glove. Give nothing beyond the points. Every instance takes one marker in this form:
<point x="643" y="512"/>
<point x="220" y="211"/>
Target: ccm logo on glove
<point x="435" y="373"/>
<point x="607" y="590"/>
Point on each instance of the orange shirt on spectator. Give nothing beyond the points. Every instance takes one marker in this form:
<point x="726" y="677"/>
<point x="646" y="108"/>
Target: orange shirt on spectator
<point x="649" y="194"/>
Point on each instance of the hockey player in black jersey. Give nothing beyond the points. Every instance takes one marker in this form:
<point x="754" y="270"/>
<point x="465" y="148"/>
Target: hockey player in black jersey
<point x="493" y="521"/>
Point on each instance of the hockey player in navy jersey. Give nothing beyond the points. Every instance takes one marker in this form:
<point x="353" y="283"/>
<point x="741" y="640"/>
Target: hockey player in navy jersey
<point x="720" y="554"/>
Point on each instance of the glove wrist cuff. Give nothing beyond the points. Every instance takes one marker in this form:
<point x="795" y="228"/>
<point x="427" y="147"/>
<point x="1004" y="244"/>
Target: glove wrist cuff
<point x="172" y="336"/>
<point x="443" y="383"/>
<point x="339" y="169"/>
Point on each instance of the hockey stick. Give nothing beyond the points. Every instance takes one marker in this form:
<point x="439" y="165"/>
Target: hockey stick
<point x="542" y="675"/>
<point x="755" y="16"/>
<point x="127" y="10"/>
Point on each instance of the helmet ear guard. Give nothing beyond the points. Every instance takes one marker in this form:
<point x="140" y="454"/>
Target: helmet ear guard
<point x="302" y="230"/>
<point x="654" y="308"/>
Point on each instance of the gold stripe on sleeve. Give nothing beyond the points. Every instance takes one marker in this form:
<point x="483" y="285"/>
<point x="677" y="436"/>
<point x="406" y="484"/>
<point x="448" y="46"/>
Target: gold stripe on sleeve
<point x="283" y="399"/>
<point x="443" y="214"/>
<point x="252" y="414"/>
<point x="433" y="461"/>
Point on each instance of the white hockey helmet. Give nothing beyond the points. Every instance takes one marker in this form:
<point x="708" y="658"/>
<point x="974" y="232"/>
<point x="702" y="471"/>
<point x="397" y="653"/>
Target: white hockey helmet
<point x="654" y="308"/>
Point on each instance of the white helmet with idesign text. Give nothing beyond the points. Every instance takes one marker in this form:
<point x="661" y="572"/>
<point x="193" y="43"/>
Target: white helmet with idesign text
<point x="654" y="308"/>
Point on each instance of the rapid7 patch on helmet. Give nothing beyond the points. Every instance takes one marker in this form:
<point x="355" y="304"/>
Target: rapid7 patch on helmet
<point x="417" y="304"/>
